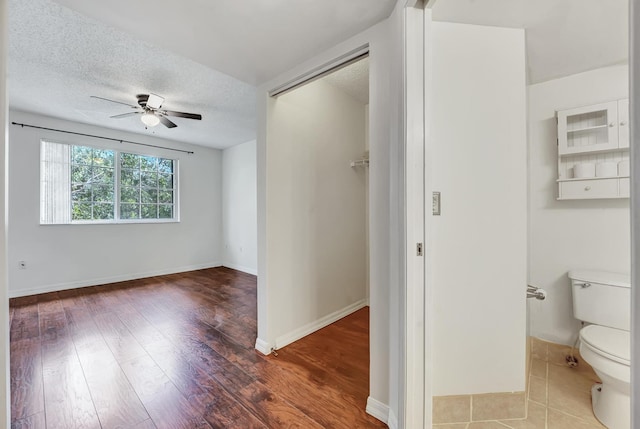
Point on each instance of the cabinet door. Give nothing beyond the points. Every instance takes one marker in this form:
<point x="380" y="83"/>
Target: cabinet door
<point x="588" y="129"/>
<point x="623" y="123"/>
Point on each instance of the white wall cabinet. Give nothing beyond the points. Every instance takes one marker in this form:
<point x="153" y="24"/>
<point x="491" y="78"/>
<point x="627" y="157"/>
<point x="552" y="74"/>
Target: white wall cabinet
<point x="593" y="143"/>
<point x="594" y="128"/>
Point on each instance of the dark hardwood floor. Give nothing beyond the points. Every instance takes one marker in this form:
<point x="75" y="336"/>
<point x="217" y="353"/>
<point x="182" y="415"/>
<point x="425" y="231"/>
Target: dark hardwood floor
<point x="177" y="352"/>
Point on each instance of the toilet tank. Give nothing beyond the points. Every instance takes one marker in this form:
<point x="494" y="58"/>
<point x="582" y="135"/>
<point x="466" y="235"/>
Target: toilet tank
<point x="602" y="298"/>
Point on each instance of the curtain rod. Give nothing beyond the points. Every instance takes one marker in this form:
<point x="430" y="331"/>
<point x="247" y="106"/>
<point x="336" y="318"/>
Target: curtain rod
<point x="100" y="137"/>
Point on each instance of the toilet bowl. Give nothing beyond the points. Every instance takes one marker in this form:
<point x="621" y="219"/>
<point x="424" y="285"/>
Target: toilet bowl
<point x="603" y="300"/>
<point x="608" y="350"/>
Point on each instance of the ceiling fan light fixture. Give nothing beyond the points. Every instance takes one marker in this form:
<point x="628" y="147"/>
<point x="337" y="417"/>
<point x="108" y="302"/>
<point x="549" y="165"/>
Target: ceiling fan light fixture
<point x="149" y="119"/>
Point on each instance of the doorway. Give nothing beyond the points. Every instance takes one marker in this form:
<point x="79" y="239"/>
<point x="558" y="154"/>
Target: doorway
<point x="550" y="221"/>
<point x="317" y="193"/>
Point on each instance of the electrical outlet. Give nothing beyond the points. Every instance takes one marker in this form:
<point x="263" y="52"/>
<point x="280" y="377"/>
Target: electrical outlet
<point x="22" y="265"/>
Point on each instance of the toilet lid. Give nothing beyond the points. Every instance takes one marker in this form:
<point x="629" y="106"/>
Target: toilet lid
<point x="609" y="341"/>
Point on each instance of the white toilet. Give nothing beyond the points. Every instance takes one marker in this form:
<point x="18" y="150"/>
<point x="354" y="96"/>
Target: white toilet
<point x="604" y="300"/>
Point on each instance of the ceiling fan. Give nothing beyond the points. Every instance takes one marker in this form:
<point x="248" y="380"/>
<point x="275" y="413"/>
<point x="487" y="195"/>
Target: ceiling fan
<point x="150" y="110"/>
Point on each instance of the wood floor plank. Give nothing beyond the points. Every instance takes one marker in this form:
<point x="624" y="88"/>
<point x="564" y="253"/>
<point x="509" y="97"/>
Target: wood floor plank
<point x="225" y="321"/>
<point x="188" y="378"/>
<point x="222" y="410"/>
<point x="273" y="410"/>
<point x="95" y="301"/>
<point x="143" y="331"/>
<point x="116" y="403"/>
<point x="145" y="376"/>
<point x="170" y="410"/>
<point x="35" y="421"/>
<point x="165" y="404"/>
<point x="177" y="351"/>
<point x="225" y="373"/>
<point x="27" y="397"/>
<point x="147" y="424"/>
<point x="324" y="403"/>
<point x="22" y="301"/>
<point x="123" y="345"/>
<point x="26" y="323"/>
<point x="68" y="403"/>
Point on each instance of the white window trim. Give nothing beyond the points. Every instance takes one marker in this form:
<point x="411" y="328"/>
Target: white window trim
<point x="118" y="187"/>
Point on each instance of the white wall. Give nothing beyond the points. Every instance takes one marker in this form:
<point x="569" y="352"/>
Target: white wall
<point x="567" y="235"/>
<point x="479" y="242"/>
<point x="66" y="256"/>
<point x="239" y="207"/>
<point x="316" y="240"/>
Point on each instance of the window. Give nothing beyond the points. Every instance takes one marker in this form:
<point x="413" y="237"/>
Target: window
<point x="92" y="183"/>
<point x="146" y="187"/>
<point x="81" y="184"/>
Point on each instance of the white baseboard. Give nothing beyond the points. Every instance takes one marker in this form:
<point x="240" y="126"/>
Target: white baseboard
<point x="378" y="410"/>
<point x="263" y="346"/>
<point x="106" y="280"/>
<point x="314" y="326"/>
<point x="393" y="420"/>
<point x="237" y="267"/>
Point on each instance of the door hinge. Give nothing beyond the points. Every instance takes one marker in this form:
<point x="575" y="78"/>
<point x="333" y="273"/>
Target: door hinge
<point x="419" y="249"/>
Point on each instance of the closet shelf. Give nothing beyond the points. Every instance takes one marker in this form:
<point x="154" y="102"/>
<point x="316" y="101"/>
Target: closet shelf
<point x="594" y="151"/>
<point x="592" y="178"/>
<point x="360" y="163"/>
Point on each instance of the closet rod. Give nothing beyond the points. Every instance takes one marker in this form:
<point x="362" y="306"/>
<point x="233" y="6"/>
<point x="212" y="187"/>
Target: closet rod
<point x="100" y="137"/>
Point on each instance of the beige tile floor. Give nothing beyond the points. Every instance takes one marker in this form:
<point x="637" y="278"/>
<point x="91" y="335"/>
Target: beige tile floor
<point x="558" y="397"/>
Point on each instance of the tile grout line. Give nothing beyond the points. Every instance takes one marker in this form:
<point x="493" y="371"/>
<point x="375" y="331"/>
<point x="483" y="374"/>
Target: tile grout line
<point x="546" y="386"/>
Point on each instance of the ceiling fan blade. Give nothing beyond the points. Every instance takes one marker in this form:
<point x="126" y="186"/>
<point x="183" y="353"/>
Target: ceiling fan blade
<point x="113" y="101"/>
<point x="182" y="114"/>
<point x="167" y="123"/>
<point x="125" y="115"/>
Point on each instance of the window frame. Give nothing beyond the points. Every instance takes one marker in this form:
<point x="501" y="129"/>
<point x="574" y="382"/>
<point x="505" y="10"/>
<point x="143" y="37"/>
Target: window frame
<point x="117" y="220"/>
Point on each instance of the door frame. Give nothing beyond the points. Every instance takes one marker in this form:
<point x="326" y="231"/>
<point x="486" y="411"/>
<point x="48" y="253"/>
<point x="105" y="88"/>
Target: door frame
<point x="634" y="96"/>
<point x="416" y="394"/>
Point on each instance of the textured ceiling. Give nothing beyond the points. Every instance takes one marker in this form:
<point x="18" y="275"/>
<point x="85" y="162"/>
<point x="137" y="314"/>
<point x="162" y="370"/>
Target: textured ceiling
<point x="205" y="56"/>
<point x="58" y="58"/>
<point x="253" y="41"/>
<point x="563" y="37"/>
<point x="353" y="79"/>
